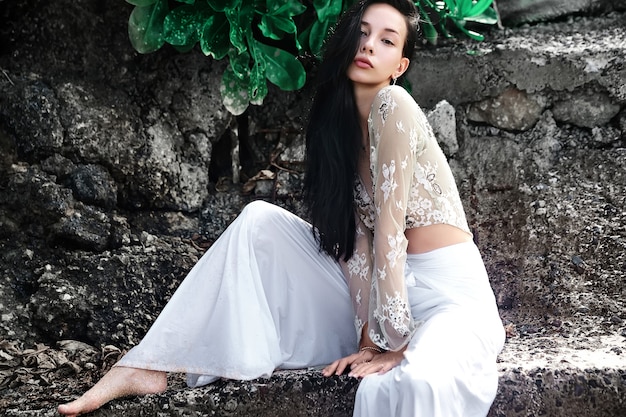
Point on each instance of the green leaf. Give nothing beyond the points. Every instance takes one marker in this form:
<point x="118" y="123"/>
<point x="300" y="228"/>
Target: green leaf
<point x="282" y="68"/>
<point x="223" y="5"/>
<point x="240" y="19"/>
<point x="490" y="17"/>
<point x="257" y="88"/>
<point x="288" y="8"/>
<point x="183" y="25"/>
<point x="464" y="7"/>
<point x="214" y="38"/>
<point x="141" y="3"/>
<point x="183" y="48"/>
<point x="474" y="35"/>
<point x="327" y="9"/>
<point x="430" y="33"/>
<point x="318" y="35"/>
<point x="444" y="31"/>
<point x="437" y="6"/>
<point x="303" y="38"/>
<point x="274" y="27"/>
<point x="145" y="26"/>
<point x="278" y="20"/>
<point x="479" y="7"/>
<point x="239" y="63"/>
<point x="234" y="92"/>
<point x="452" y="7"/>
<point x="186" y="1"/>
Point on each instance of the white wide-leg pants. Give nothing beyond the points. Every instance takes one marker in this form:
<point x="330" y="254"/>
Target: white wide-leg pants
<point x="264" y="297"/>
<point x="449" y="367"/>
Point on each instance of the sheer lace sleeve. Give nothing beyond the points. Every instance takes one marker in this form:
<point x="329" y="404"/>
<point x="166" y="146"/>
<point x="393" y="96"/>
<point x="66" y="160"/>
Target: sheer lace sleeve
<point x="358" y="270"/>
<point x="395" y="136"/>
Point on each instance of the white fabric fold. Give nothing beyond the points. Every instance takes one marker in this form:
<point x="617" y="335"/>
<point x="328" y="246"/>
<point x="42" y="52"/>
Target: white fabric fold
<point x="262" y="297"/>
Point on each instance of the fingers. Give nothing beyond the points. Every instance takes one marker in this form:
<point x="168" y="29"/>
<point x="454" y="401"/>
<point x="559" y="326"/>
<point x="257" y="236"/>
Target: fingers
<point x="333" y="369"/>
<point x="364" y="369"/>
<point x="380" y="364"/>
<point x="339" y="366"/>
<point x="330" y="369"/>
<point x="362" y="357"/>
<point x="362" y="364"/>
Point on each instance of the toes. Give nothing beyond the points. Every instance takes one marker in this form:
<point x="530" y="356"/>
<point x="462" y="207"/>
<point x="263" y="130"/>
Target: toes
<point x="66" y="410"/>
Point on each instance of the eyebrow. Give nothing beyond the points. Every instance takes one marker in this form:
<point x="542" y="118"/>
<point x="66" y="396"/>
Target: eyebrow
<point x="391" y="30"/>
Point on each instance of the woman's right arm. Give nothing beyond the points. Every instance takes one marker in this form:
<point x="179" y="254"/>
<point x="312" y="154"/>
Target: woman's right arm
<point x="358" y="272"/>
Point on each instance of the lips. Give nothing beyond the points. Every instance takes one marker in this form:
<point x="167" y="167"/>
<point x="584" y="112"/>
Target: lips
<point x="363" y="63"/>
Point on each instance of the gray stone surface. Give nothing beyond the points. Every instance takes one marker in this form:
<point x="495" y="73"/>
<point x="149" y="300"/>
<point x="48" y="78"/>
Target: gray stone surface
<point x="538" y="376"/>
<point x="511" y="110"/>
<point x="585" y="109"/>
<point x="443" y="121"/>
<point x="560" y="57"/>
<point x="514" y="12"/>
<point x="114" y="178"/>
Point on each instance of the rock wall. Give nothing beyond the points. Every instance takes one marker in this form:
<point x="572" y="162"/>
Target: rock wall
<point x="115" y="169"/>
<point x="515" y="12"/>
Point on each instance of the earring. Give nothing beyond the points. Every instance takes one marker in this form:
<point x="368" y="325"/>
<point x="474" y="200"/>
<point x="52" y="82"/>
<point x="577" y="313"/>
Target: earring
<point x="393" y="80"/>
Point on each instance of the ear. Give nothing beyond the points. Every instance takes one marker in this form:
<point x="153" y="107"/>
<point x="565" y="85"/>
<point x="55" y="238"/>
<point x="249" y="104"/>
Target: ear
<point x="402" y="67"/>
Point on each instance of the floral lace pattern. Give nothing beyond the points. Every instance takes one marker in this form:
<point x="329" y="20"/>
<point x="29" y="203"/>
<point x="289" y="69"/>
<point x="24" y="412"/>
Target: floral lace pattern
<point x="412" y="187"/>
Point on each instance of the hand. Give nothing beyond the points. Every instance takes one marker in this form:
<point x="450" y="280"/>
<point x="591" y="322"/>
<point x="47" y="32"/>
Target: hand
<point x="340" y="365"/>
<point x="364" y="363"/>
<point x="380" y="364"/>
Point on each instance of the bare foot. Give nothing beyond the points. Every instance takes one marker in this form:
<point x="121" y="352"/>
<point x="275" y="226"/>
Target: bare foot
<point x="118" y="382"/>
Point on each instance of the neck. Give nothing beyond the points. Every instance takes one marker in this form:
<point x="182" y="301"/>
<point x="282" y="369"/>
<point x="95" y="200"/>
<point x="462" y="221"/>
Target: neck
<point x="364" y="96"/>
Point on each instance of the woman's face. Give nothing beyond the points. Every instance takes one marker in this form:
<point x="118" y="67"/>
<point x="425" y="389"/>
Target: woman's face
<point x="379" y="57"/>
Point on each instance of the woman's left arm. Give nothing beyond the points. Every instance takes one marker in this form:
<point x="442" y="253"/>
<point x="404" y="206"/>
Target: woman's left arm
<point x="394" y="133"/>
<point x="397" y="137"/>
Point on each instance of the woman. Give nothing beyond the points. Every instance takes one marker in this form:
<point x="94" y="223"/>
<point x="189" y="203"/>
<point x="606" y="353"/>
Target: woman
<point x="390" y="253"/>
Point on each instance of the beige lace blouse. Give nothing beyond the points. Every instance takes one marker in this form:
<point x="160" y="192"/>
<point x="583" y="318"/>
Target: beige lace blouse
<point x="412" y="187"/>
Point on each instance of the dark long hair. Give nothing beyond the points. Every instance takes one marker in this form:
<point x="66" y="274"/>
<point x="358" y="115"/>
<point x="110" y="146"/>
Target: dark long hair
<point x="333" y="137"/>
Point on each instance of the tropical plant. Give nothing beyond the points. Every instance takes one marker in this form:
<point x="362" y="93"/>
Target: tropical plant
<point x="262" y="38"/>
<point x="459" y="12"/>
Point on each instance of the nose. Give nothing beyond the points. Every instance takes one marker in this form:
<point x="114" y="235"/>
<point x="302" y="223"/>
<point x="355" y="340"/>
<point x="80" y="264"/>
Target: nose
<point x="367" y="45"/>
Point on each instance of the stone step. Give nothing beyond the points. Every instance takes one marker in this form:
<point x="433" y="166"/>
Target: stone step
<point x="562" y="376"/>
<point x="556" y="61"/>
<point x="539" y="376"/>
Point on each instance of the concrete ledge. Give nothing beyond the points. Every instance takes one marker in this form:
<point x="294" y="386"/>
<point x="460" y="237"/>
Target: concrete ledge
<point x="546" y="59"/>
<point x="559" y="377"/>
<point x="551" y="376"/>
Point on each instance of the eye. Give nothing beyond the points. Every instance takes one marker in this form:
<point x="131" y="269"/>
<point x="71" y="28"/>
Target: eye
<point x="388" y="42"/>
